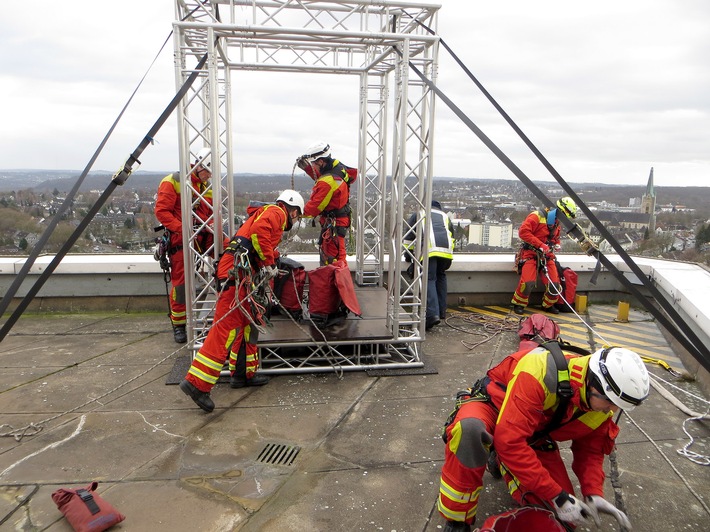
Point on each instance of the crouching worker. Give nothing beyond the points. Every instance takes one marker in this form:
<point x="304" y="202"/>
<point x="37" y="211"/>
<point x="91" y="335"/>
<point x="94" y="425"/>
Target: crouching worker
<point x="523" y="407"/>
<point x="247" y="263"/>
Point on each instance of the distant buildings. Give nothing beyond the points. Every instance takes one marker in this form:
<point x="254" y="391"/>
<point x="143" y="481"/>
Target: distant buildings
<point x="492" y="234"/>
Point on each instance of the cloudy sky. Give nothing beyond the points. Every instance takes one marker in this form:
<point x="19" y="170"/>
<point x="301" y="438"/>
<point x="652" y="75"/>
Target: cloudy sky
<point x="605" y="89"/>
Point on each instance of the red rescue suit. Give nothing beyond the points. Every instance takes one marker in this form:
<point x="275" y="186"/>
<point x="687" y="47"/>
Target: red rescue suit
<point x="168" y="211"/>
<point x="233" y="329"/>
<point x="522" y="401"/>
<point x="534" y="232"/>
<point x="330" y="198"/>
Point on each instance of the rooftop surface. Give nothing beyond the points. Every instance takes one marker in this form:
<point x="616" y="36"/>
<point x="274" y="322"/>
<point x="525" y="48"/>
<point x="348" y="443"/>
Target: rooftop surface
<point x="85" y="397"/>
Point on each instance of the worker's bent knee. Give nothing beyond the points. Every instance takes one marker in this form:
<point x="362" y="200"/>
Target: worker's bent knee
<point x="475" y="442"/>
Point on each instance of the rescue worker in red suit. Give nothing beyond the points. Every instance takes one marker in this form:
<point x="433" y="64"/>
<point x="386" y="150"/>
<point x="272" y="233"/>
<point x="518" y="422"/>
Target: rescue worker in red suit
<point x="540" y="233"/>
<point x="248" y="261"/>
<point x="168" y="211"/>
<point x="514" y="407"/>
<point x="330" y="199"/>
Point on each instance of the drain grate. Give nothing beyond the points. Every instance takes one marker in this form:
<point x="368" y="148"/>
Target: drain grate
<point x="278" y="454"/>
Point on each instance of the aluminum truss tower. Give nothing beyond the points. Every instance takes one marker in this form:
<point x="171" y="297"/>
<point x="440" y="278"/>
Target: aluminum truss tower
<point x="373" y="41"/>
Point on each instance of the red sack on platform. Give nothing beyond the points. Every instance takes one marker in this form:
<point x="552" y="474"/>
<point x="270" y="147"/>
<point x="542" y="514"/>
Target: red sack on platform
<point x="331" y="294"/>
<point x="323" y="295"/>
<point x="85" y="510"/>
<point x="525" y="519"/>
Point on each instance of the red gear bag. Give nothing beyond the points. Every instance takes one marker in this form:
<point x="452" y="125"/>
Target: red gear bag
<point x="85" y="510"/>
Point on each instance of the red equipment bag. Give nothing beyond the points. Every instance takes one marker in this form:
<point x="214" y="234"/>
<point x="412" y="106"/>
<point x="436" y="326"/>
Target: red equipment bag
<point x="331" y="294"/>
<point x="85" y="510"/>
<point x="288" y="287"/>
<point x="537" y="329"/>
<point x="568" y="281"/>
<point x="525" y="519"/>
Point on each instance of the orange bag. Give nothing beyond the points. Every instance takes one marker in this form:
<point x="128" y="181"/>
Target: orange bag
<point x="85" y="510"/>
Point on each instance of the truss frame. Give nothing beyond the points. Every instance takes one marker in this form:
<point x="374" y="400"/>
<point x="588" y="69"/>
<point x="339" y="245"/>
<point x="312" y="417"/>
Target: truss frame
<point x="373" y="40"/>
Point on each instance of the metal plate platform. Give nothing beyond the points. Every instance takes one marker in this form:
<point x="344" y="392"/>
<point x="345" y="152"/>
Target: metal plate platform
<point x="355" y="344"/>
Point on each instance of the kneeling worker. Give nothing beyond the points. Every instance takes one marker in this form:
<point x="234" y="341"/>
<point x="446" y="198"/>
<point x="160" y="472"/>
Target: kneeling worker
<point x="521" y="410"/>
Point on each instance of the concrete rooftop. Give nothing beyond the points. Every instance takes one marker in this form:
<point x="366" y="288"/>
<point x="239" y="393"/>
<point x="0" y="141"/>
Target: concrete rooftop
<point x="370" y="452"/>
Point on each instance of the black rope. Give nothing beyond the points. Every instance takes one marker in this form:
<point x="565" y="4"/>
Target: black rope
<point x="689" y="340"/>
<point x="39" y="246"/>
<point x="118" y="179"/>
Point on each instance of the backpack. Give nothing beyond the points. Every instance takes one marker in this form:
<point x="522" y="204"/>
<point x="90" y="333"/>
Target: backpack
<point x="288" y="288"/>
<point x="568" y="282"/>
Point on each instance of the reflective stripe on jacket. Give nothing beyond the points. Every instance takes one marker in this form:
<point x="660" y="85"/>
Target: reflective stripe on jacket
<point x="168" y="209"/>
<point x="263" y="229"/>
<point x="441" y="237"/>
<point x="535" y="231"/>
<point x="523" y="387"/>
<point x="331" y="192"/>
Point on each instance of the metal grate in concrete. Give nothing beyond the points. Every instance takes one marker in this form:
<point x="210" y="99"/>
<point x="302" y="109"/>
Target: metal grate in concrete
<point x="278" y="454"/>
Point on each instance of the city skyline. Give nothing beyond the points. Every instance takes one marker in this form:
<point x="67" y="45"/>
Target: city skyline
<point x="604" y="91"/>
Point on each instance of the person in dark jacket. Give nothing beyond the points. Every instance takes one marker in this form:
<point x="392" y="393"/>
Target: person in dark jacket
<point x="440" y="252"/>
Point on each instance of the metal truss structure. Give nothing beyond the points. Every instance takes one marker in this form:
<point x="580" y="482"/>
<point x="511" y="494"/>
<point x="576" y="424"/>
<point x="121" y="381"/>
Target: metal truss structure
<point x="374" y="41"/>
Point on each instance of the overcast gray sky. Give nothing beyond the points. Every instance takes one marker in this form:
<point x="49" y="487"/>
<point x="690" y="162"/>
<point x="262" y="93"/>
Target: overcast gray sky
<point x="605" y="89"/>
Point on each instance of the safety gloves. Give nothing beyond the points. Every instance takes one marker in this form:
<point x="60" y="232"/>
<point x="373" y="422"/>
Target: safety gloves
<point x="598" y="504"/>
<point x="269" y="272"/>
<point x="545" y="249"/>
<point x="570" y="509"/>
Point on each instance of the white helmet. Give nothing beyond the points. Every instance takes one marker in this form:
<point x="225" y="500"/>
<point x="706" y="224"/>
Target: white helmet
<point x="620" y="374"/>
<point x="292" y="199"/>
<point x="314" y="152"/>
<point x="204" y="158"/>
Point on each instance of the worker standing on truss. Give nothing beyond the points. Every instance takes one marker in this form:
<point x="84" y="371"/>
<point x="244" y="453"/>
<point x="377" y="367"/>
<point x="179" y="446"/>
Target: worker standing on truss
<point x="540" y="235"/>
<point x="168" y="211"/>
<point x="247" y="265"/>
<point x="330" y="199"/>
<point x="523" y="407"/>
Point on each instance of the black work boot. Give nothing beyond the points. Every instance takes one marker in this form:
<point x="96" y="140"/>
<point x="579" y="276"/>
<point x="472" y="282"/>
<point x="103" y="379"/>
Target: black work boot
<point x="180" y="334"/>
<point x="552" y="310"/>
<point x="457" y="526"/>
<point x="202" y="399"/>
<point x="519" y="309"/>
<point x="241" y="382"/>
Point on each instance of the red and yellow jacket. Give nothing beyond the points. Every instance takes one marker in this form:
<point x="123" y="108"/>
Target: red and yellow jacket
<point x="260" y="234"/>
<point x="168" y="209"/>
<point x="535" y="231"/>
<point x="523" y="388"/>
<point x="331" y="193"/>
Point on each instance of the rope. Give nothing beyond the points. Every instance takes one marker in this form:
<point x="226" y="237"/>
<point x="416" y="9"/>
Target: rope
<point x="674" y="468"/>
<point x="695" y="416"/>
<point x="492" y="325"/>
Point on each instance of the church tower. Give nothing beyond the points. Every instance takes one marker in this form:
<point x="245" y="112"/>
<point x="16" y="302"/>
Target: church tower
<point x="648" y="204"/>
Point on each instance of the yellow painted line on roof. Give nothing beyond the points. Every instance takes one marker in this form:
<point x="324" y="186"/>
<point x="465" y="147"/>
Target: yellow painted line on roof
<point x="486" y="312"/>
<point x="567" y="335"/>
<point x="629" y="331"/>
